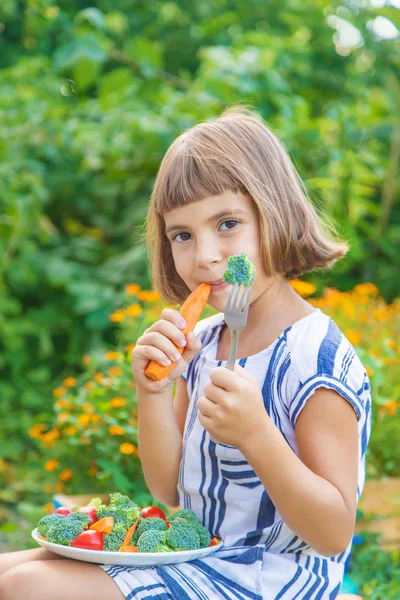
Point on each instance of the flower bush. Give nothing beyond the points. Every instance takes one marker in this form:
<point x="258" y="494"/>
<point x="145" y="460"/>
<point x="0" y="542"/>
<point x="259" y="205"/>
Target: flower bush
<point x="88" y="443"/>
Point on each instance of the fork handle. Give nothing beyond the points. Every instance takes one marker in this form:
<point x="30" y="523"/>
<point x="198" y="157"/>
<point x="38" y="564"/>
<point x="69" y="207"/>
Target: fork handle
<point x="232" y="350"/>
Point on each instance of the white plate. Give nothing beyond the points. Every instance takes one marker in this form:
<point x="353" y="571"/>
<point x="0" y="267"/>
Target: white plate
<point x="134" y="559"/>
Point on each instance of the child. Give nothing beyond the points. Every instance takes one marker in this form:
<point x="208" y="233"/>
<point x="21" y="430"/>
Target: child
<point x="270" y="456"/>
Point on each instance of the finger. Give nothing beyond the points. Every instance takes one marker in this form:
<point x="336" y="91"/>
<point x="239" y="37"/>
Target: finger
<point x="169" y="330"/>
<point x="205" y="406"/>
<point x="162" y="343"/>
<point x="222" y="377"/>
<point x="214" y="393"/>
<point x="174" y="316"/>
<point x="146" y="353"/>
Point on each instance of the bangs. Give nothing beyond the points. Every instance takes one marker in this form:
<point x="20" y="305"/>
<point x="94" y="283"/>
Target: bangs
<point x="190" y="173"/>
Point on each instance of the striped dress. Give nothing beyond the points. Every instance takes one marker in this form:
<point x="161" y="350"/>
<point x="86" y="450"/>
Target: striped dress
<point x="262" y="558"/>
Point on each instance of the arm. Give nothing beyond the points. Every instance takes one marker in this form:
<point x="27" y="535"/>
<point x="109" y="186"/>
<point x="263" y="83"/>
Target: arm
<point x="315" y="492"/>
<point x="160" y="431"/>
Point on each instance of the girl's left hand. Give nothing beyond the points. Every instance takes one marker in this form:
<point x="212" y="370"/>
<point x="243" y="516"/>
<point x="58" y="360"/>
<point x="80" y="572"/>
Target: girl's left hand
<point x="233" y="407"/>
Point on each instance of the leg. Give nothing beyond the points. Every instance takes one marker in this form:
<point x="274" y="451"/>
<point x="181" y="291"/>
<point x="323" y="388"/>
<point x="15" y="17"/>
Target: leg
<point x="12" y="559"/>
<point x="58" y="580"/>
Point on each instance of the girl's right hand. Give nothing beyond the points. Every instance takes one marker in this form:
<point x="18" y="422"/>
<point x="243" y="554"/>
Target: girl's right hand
<point x="157" y="343"/>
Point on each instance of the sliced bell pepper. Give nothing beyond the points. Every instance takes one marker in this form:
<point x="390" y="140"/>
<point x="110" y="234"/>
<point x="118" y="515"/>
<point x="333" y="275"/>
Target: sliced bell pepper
<point x="128" y="549"/>
<point x="129" y="533"/>
<point x="104" y="525"/>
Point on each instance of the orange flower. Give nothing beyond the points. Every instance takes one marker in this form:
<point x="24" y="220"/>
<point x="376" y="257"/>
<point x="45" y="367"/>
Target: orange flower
<point x="70" y="382"/>
<point x="132" y="289"/>
<point x="87" y="407"/>
<point x="390" y="407"/>
<point x="83" y="420"/>
<point x="94" y="469"/>
<point x="111" y="355"/>
<point x="369" y="370"/>
<point x="99" y="377"/>
<point x="391" y="344"/>
<point x="36" y="431"/>
<point x="95" y="418"/>
<point x="303" y="288"/>
<point x="58" y="486"/>
<point x="48" y="508"/>
<point x="71" y="430"/>
<point x="60" y="391"/>
<point x="65" y="475"/>
<point x="63" y="417"/>
<point x="134" y="310"/>
<point x="353" y="335"/>
<point x="89" y="385"/>
<point x="129" y="348"/>
<point x="51" y="464"/>
<point x="367" y="289"/>
<point x="117" y="402"/>
<point x="127" y="448"/>
<point x="115" y="371"/>
<point x="86" y="360"/>
<point x="148" y="296"/>
<point x="63" y="404"/>
<point x="118" y="316"/>
<point x="49" y="438"/>
<point x="116" y="430"/>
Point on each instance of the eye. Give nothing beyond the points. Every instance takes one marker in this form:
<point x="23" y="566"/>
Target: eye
<point x="174" y="238"/>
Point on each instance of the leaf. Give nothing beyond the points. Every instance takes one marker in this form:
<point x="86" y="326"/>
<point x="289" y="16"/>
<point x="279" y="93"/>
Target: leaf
<point x="86" y="47"/>
<point x="91" y="15"/>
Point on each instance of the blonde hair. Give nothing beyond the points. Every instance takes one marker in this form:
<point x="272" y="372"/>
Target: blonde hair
<point x="238" y="152"/>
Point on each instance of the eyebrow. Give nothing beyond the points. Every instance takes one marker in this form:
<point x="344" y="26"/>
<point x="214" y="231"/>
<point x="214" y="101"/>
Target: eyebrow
<point x="218" y="215"/>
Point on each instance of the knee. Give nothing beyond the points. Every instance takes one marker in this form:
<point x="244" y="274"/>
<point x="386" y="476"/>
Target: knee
<point x="21" y="581"/>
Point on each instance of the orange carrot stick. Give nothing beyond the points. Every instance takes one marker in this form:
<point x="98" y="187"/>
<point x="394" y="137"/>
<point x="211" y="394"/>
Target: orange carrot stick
<point x="41" y="537"/>
<point x="191" y="311"/>
<point x="128" y="549"/>
<point x="104" y="525"/>
<point x="214" y="542"/>
<point x="129" y="534"/>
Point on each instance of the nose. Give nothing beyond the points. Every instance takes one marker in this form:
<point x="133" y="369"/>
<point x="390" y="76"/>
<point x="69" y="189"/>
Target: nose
<point x="207" y="253"/>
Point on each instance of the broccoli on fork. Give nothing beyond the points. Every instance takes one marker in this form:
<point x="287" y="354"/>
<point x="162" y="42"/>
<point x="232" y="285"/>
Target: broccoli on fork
<point x="240" y="270"/>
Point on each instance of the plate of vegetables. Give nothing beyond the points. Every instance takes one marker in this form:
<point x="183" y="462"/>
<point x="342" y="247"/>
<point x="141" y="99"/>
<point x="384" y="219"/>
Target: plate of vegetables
<point x="122" y="533"/>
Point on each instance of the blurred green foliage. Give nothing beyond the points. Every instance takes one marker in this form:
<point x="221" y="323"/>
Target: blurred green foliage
<point x="90" y="99"/>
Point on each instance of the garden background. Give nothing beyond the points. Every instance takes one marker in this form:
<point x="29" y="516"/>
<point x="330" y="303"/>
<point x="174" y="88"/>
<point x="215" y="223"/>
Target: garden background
<point x="91" y="96"/>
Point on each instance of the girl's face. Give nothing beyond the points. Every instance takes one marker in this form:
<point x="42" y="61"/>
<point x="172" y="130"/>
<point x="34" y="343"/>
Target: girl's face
<point x="204" y="234"/>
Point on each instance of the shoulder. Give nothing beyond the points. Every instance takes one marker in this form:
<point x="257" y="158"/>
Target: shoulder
<point x="322" y="356"/>
<point x="317" y="345"/>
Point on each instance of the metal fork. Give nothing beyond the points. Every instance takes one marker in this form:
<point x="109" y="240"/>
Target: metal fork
<point x="235" y="315"/>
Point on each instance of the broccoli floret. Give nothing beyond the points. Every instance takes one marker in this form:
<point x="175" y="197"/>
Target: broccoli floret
<point x="182" y="536"/>
<point x="184" y="513"/>
<point x="46" y="522"/>
<point x="151" y="523"/>
<point x="113" y="540"/>
<point x="95" y="502"/>
<point x="240" y="270"/>
<point x="79" y="517"/>
<point x="153" y="540"/>
<point x="65" y="530"/>
<point x="203" y="533"/>
<point x="121" y="508"/>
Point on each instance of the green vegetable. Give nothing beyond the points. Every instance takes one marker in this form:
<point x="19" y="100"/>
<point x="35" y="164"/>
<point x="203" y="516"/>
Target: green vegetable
<point x="151" y="523"/>
<point x="95" y="502"/>
<point x="184" y="513"/>
<point x="182" y="536"/>
<point x="153" y="541"/>
<point x="240" y="270"/>
<point x="113" y="540"/>
<point x="121" y="508"/>
<point x="46" y="522"/>
<point x="65" y="530"/>
<point x="203" y="533"/>
<point x="79" y="517"/>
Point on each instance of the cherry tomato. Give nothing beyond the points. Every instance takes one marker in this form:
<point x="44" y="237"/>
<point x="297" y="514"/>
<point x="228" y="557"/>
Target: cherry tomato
<point x="89" y="540"/>
<point x="90" y="511"/>
<point x="153" y="512"/>
<point x="62" y="510"/>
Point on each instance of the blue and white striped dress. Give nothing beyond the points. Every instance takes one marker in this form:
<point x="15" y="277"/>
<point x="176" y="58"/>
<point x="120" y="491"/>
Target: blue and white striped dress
<point x="262" y="558"/>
